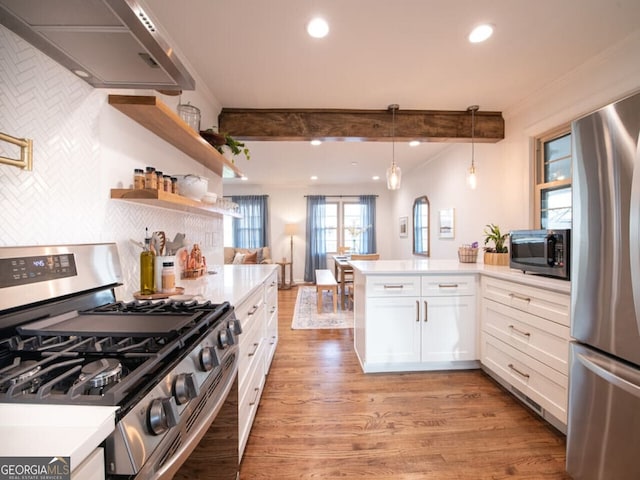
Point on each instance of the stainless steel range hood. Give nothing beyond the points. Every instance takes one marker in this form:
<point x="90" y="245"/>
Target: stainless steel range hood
<point x="113" y="42"/>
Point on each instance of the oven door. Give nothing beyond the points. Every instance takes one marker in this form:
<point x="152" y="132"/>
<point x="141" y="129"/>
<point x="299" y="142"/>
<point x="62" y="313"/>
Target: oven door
<point x="205" y="445"/>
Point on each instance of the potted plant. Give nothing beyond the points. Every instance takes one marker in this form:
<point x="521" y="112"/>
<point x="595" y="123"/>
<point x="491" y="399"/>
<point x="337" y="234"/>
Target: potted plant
<point x="221" y="140"/>
<point x="499" y="253"/>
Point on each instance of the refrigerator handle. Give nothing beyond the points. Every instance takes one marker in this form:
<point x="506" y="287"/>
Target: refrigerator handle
<point x="623" y="378"/>
<point x="634" y="234"/>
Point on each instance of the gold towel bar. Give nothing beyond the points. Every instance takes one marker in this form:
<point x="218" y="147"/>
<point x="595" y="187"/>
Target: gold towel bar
<point x="26" y="152"/>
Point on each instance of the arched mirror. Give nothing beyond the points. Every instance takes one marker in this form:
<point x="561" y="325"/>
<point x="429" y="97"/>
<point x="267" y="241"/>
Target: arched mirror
<point x="421" y="226"/>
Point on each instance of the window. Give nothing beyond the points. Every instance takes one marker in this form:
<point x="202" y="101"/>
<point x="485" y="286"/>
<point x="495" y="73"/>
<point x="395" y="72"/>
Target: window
<point x="251" y="230"/>
<point x="553" y="179"/>
<point x="343" y="224"/>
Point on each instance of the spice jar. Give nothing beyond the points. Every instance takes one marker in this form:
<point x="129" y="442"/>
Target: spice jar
<point x="168" y="277"/>
<point x="138" y="178"/>
<point x="150" y="178"/>
<point x="167" y="183"/>
<point x="174" y="185"/>
<point x="159" y="180"/>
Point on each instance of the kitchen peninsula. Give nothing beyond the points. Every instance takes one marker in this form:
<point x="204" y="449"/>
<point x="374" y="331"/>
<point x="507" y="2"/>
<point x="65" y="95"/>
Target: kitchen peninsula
<point x="416" y="315"/>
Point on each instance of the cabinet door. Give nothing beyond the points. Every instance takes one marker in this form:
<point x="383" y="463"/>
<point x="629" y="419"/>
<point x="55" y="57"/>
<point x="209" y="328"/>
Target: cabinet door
<point x="449" y="329"/>
<point x="393" y="330"/>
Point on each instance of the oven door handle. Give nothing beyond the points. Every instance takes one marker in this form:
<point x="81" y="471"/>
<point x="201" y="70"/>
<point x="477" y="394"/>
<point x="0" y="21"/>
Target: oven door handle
<point x="169" y="469"/>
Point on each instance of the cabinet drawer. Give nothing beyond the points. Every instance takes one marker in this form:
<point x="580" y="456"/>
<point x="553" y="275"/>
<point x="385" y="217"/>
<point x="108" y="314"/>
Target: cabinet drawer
<point x="542" y="384"/>
<point x="446" y="285"/>
<point x="541" y="339"/>
<point x="393" y="286"/>
<point x="251" y="350"/>
<point x="247" y="309"/>
<point x="537" y="301"/>
<point x="249" y="399"/>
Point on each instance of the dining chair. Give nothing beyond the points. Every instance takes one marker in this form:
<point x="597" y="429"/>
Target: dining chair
<point x="349" y="290"/>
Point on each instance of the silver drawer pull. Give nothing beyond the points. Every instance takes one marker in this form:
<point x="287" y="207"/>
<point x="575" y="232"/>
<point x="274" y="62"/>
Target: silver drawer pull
<point x="392" y="286"/>
<point x="448" y="285"/>
<point x="525" y="375"/>
<point x="253" y="310"/>
<point x="521" y="332"/>
<point x="256" y="345"/>
<point x="255" y="399"/>
<point x="519" y="297"/>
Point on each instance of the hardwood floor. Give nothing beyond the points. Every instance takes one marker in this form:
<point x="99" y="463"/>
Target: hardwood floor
<point x="321" y="417"/>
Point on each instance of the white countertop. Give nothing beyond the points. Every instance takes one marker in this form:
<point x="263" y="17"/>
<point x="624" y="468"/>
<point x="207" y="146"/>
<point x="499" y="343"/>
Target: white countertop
<point x="428" y="266"/>
<point x="76" y="430"/>
<point x="54" y="431"/>
<point x="232" y="283"/>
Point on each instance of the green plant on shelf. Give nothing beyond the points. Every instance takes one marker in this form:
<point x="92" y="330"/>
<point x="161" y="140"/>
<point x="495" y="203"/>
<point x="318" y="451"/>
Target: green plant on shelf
<point x="221" y="140"/>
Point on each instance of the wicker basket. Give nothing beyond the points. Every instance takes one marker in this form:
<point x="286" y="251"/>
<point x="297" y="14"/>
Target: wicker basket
<point x="467" y="254"/>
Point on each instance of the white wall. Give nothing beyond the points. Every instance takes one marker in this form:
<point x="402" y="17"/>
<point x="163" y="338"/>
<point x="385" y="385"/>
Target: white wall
<point x="288" y="204"/>
<point x="82" y="148"/>
<point x="505" y="169"/>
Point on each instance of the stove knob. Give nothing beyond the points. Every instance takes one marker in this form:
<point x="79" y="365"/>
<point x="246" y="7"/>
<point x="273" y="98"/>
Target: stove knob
<point x="185" y="388"/>
<point x="225" y="339"/>
<point x="235" y="327"/>
<point x="162" y="415"/>
<point x="208" y="358"/>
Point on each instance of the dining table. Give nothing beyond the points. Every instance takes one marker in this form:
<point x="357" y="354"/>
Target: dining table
<point x="342" y="269"/>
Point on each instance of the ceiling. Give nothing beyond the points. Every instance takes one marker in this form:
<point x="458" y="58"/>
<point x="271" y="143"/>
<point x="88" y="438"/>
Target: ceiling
<point x="257" y="54"/>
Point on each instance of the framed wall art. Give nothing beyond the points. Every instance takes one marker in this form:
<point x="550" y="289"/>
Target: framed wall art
<point x="404" y="226"/>
<point x="446" y="227"/>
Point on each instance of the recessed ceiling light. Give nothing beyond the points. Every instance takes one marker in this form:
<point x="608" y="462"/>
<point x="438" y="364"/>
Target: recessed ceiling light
<point x="318" y="27"/>
<point x="314" y="177"/>
<point x="315" y="143"/>
<point x="375" y="177"/>
<point x="414" y="143"/>
<point x="481" y="33"/>
<point x="354" y="164"/>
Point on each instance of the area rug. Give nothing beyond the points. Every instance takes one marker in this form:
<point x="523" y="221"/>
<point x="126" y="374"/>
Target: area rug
<point x="306" y="316"/>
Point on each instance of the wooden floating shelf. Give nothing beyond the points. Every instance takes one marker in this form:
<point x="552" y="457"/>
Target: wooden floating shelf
<point x="171" y="201"/>
<point x="157" y="117"/>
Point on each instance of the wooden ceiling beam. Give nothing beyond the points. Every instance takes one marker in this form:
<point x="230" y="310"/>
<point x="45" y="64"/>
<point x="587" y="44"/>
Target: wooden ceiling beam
<point x="359" y="125"/>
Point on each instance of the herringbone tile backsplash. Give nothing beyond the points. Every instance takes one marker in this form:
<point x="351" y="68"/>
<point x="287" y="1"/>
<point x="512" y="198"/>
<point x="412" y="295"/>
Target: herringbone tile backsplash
<point x="65" y="199"/>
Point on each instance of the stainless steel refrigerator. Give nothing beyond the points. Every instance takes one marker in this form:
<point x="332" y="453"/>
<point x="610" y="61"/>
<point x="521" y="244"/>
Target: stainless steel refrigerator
<point x="603" y="435"/>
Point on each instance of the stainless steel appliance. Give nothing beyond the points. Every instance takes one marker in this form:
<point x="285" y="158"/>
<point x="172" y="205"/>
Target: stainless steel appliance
<point x="170" y="366"/>
<point x="545" y="252"/>
<point x="107" y="43"/>
<point x="604" y="390"/>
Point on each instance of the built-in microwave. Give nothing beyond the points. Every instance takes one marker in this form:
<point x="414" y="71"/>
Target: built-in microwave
<point x="545" y="252"/>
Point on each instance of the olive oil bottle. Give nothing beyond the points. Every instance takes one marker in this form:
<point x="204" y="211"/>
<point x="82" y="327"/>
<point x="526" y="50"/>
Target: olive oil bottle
<point x="147" y="277"/>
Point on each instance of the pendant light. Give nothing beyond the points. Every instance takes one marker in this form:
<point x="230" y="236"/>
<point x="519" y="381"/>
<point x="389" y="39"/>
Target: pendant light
<point x="394" y="174"/>
<point x="471" y="177"/>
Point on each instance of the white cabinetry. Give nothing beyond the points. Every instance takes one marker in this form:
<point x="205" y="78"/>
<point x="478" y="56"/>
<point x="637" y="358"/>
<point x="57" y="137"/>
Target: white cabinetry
<point x="91" y="468"/>
<point x="415" y="322"/>
<point x="258" y="315"/>
<point x="525" y="344"/>
<point x="271" y="302"/>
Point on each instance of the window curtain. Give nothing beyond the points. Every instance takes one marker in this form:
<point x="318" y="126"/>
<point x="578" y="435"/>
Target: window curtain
<point x="368" y="218"/>
<point x="417" y="228"/>
<point x="252" y="229"/>
<point x="315" y="255"/>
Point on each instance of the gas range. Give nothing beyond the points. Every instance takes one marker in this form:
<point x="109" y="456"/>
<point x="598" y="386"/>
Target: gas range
<point x="167" y="365"/>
